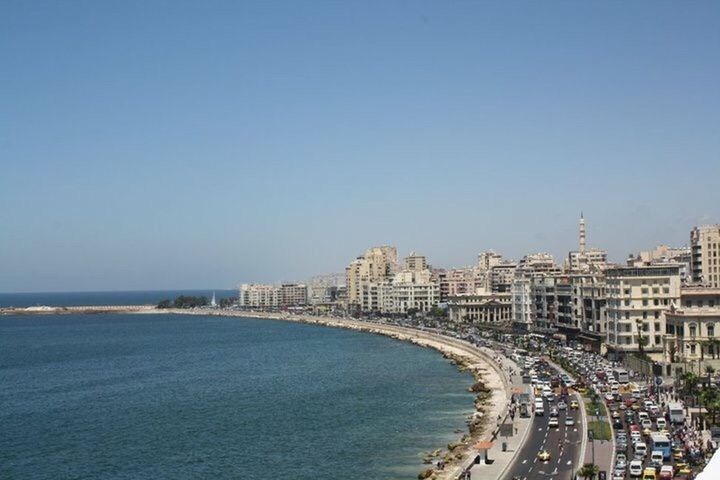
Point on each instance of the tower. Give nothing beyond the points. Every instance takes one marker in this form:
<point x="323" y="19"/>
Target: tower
<point x="582" y="234"/>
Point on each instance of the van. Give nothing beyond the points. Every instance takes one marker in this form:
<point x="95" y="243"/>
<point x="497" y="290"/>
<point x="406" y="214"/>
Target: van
<point x="640" y="450"/>
<point x="656" y="458"/>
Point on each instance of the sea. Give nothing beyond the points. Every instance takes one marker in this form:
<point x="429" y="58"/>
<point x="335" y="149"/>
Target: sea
<point x="122" y="396"/>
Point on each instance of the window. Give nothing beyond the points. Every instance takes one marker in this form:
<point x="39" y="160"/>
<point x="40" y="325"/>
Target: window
<point x="692" y="349"/>
<point x="711" y="330"/>
<point x="645" y="302"/>
<point x="645" y="315"/>
<point x="657" y="314"/>
<point x="693" y="330"/>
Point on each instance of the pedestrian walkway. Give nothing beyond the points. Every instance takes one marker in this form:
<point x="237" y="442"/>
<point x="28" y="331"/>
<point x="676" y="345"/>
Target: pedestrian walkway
<point x="501" y="460"/>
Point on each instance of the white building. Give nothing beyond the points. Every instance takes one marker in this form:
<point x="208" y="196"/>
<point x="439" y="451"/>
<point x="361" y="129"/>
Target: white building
<point x="636" y="300"/>
<point x="259" y="296"/>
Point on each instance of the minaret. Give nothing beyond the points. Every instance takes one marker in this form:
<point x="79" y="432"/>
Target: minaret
<point x="582" y="234"/>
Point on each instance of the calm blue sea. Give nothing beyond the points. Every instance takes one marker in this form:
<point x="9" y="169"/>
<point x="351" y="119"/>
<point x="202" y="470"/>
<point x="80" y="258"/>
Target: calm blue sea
<point x="69" y="299"/>
<point x="120" y="396"/>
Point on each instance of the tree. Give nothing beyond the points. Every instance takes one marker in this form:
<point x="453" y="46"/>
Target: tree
<point x="642" y="340"/>
<point x="672" y="350"/>
<point x="164" y="303"/>
<point x="588" y="471"/>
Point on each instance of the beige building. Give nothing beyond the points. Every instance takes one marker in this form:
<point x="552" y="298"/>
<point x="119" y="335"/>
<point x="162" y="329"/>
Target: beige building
<point x="293" y="295"/>
<point x="480" y="307"/>
<point x="255" y="295"/>
<point x="705" y="255"/>
<point x="415" y="262"/>
<point x="636" y="300"/>
<point x="376" y="265"/>
<point x="693" y="328"/>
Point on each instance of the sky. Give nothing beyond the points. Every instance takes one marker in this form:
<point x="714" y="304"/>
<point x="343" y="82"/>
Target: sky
<point x="174" y="144"/>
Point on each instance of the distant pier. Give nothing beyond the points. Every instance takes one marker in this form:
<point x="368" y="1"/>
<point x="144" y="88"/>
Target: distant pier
<point x="89" y="309"/>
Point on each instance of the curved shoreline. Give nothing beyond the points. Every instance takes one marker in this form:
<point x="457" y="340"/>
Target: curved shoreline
<point x="491" y="382"/>
<point x="492" y="385"/>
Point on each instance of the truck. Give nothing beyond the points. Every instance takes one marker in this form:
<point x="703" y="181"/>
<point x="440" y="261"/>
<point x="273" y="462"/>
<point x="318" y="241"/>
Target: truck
<point x="621" y="375"/>
<point x="675" y="413"/>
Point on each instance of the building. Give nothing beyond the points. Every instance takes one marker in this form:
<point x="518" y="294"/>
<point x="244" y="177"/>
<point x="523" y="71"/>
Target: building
<point x="409" y="290"/>
<point x="705" y="255"/>
<point x="416" y="263"/>
<point x="480" y="308"/>
<point x="376" y="265"/>
<point x="259" y="296"/>
<point x="693" y="327"/>
<point x="637" y="297"/>
<point x="456" y="281"/>
<point x="663" y="254"/>
<point x="293" y="295"/>
<point x="501" y="277"/>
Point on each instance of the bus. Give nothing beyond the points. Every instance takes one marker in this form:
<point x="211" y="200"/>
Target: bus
<point x="621" y="375"/>
<point x="659" y="442"/>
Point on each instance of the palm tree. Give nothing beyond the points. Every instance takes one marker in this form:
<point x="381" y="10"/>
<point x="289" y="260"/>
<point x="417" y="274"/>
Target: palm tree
<point x="588" y="471"/>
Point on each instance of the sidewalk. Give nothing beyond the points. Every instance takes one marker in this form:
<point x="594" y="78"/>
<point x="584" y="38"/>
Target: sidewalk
<point x="502" y="460"/>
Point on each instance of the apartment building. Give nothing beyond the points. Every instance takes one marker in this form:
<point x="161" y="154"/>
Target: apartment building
<point x="376" y="265"/>
<point x="293" y="295"/>
<point x="705" y="255"/>
<point x="253" y="295"/>
<point x="693" y="327"/>
<point x="637" y="297"/>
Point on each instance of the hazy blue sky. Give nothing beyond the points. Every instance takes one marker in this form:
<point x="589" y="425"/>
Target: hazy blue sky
<point x="201" y="144"/>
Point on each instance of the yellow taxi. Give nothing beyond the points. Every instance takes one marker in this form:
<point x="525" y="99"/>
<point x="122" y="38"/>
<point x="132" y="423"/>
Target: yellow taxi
<point x="649" y="474"/>
<point x="678" y="454"/>
<point x="543" y="456"/>
<point x="646" y="432"/>
<point x="574" y="405"/>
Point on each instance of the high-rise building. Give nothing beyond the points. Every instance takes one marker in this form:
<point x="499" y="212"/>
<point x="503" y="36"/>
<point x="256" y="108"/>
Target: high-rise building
<point x="293" y="295"/>
<point x="377" y="264"/>
<point x="637" y="297"/>
<point x="705" y="255"/>
<point x="259" y="296"/>
<point x="415" y="262"/>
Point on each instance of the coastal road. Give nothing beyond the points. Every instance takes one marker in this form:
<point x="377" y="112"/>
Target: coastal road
<point x="562" y="442"/>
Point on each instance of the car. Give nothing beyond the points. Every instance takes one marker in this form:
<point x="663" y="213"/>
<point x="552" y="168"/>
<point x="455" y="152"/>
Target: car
<point x="615" y="414"/>
<point x="636" y="468"/>
<point x="553" y="423"/>
<point x="569" y="421"/>
<point x="561" y="405"/>
<point x="543" y="455"/>
<point x="649" y="474"/>
<point x="666" y="472"/>
<point x="661" y="423"/>
<point x="656" y="458"/>
<point x="554" y="412"/>
<point x="621" y="458"/>
<point x="617" y="424"/>
<point x="574" y="405"/>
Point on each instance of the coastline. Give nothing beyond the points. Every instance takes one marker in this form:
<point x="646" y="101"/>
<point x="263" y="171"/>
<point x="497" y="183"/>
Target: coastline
<point x="491" y="384"/>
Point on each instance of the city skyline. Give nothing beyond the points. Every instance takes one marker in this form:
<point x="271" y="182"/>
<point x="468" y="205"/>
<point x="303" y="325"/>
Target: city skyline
<point x="147" y="147"/>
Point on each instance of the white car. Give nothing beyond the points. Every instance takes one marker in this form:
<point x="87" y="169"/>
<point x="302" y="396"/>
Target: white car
<point x="569" y="421"/>
<point x="554" y="422"/>
<point x="636" y="468"/>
